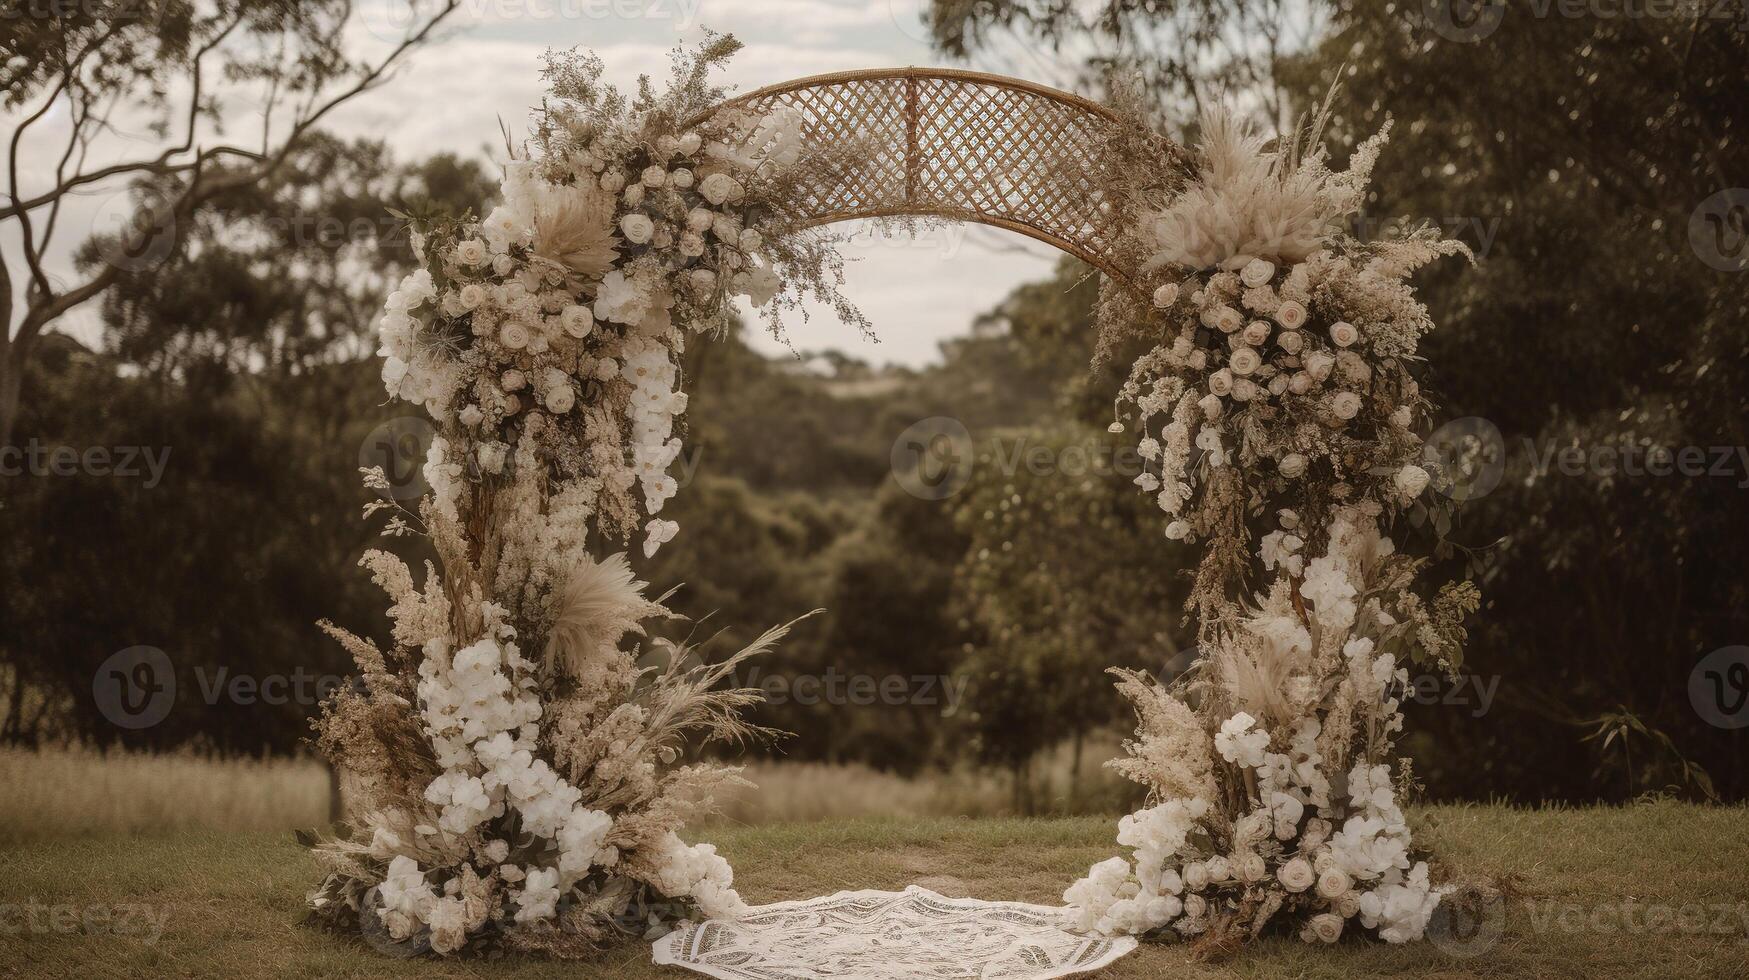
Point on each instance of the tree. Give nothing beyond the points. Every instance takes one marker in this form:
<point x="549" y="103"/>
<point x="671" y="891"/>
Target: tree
<point x="1066" y="573"/>
<point x="1186" y="54"/>
<point x="245" y="362"/>
<point x="115" y="65"/>
<point x="1588" y="160"/>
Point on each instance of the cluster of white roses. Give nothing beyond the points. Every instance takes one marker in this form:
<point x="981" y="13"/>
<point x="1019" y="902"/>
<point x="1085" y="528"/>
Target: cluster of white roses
<point x="1263" y="372"/>
<point x="1285" y="342"/>
<point x="572" y="300"/>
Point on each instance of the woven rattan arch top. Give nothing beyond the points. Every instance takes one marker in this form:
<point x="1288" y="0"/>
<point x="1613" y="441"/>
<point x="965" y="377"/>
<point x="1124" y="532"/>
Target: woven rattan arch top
<point x="965" y="146"/>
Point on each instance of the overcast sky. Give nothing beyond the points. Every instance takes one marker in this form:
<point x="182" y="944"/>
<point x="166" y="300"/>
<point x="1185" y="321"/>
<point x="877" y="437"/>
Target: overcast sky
<point x="451" y="96"/>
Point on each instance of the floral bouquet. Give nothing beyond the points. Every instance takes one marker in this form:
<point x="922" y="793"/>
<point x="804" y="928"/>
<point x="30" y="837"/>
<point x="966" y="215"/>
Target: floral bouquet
<point x="1280" y="385"/>
<point x="517" y="774"/>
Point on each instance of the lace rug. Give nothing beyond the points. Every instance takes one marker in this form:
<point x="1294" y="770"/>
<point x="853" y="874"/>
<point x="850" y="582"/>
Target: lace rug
<point x="910" y="935"/>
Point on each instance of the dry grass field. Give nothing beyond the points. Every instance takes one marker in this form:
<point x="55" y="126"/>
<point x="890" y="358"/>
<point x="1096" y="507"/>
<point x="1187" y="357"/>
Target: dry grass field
<point x="129" y="866"/>
<point x="1653" y="891"/>
<point x="62" y="792"/>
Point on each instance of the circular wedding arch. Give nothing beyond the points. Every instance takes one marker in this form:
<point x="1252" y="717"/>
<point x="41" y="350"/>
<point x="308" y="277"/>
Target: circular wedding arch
<point x="967" y="146"/>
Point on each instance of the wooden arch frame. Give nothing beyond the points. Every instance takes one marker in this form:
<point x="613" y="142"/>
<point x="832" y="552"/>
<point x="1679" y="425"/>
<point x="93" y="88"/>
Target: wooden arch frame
<point x="968" y="146"/>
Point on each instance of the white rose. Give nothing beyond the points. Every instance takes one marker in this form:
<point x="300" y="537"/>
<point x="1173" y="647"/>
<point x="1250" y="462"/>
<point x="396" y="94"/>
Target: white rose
<point x="1211" y="406"/>
<point x="1318" y="365"/>
<point x="681" y="178"/>
<point x="691" y="244"/>
<point x="1348" y="906"/>
<point x="751" y="240"/>
<point x="560" y="398"/>
<point x="1296" y="876"/>
<point x="1293" y="465"/>
<point x="1343" y="333"/>
<point x="1257" y="272"/>
<point x="717" y="188"/>
<point x="513" y="335"/>
<point x="702" y="281"/>
<point x="613" y="181"/>
<point x="1219" y="868"/>
<point x="1196" y="876"/>
<point x="1278" y="385"/>
<point x="726" y="228"/>
<point x="1300" y="383"/>
<point x="503" y="265"/>
<point x="1345" y="405"/>
<point x="1244" y="390"/>
<point x="470" y="251"/>
<point x="1256" y="332"/>
<point x="699" y="219"/>
<point x="1249" y="867"/>
<point x="1166" y="295"/>
<point x="634" y="195"/>
<point x="1411" y="480"/>
<point x="471" y="416"/>
<point x="653" y="176"/>
<point x="1229" y="319"/>
<point x="1177" y="531"/>
<point x="1221" y="382"/>
<point x="1334" y="883"/>
<point x="1244" y="361"/>
<point x="1325" y="927"/>
<point x="1290" y="314"/>
<point x="577" y="321"/>
<point x="1402" y="417"/>
<point x="513" y="380"/>
<point x="471" y="296"/>
<point x="1291" y="341"/>
<point x="688" y="144"/>
<point x="637" y="228"/>
<point x="1195" y="906"/>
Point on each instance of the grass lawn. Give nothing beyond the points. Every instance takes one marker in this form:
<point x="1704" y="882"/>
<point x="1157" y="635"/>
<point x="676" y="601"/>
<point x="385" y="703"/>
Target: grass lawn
<point x="1649" y="891"/>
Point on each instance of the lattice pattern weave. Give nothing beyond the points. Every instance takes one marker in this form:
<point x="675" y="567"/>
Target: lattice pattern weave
<point x="964" y="146"/>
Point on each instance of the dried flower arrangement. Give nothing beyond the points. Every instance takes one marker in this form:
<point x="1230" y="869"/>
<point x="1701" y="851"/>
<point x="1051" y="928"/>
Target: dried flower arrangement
<point x="1280" y="387"/>
<point x="521" y="773"/>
